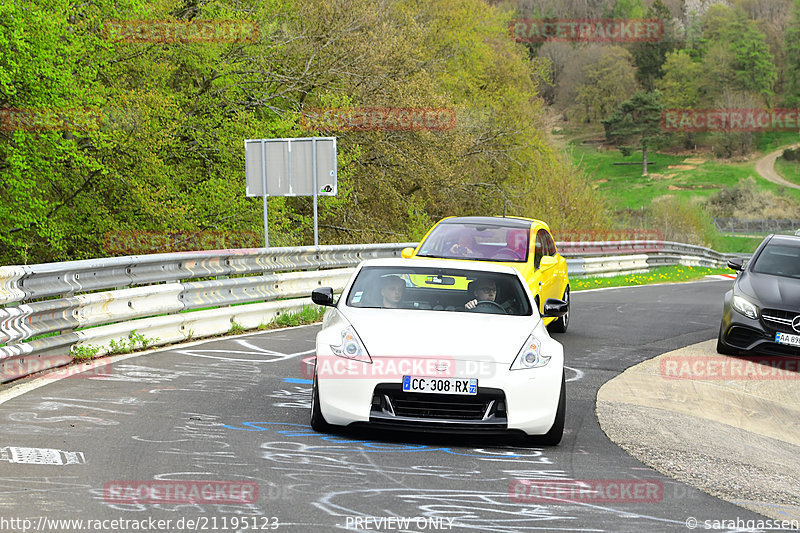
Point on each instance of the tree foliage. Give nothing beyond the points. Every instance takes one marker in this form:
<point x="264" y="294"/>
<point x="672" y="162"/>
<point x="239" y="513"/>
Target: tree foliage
<point x="637" y="123"/>
<point x="168" y="154"/>
<point x="792" y="54"/>
<point x="606" y="84"/>
<point x="650" y="56"/>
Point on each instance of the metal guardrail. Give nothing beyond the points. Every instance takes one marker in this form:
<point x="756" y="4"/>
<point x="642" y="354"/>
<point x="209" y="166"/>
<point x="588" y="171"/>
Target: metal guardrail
<point x="757" y="228"/>
<point x="51" y="309"/>
<point x="622" y="257"/>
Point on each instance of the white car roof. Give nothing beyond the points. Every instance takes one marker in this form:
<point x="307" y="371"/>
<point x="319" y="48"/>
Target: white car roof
<point x="477" y="266"/>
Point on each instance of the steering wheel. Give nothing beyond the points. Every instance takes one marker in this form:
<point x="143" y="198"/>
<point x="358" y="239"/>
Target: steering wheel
<point x="488" y="306"/>
<point x="506" y="253"/>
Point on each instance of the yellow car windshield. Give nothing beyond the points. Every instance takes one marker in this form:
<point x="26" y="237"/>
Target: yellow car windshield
<point x="480" y="242"/>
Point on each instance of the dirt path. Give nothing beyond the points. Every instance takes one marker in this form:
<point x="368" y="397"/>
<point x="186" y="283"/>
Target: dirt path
<point x="766" y="168"/>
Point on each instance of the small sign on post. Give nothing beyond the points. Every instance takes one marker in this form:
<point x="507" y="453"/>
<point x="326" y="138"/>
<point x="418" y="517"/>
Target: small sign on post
<point x="291" y="167"/>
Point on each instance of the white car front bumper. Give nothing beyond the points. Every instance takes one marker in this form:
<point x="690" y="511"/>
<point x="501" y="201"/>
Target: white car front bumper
<point x="525" y="400"/>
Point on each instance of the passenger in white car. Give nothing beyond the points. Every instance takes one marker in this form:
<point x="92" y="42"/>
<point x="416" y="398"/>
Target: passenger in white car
<point x="392" y="290"/>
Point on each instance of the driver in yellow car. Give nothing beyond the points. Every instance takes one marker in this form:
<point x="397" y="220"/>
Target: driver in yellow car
<point x="484" y="290"/>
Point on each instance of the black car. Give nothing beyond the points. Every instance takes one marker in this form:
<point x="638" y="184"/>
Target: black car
<point x="762" y="311"/>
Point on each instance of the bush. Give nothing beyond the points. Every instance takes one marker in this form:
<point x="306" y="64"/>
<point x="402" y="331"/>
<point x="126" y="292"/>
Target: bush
<point x="682" y="220"/>
<point x="791" y="154"/>
<point x="746" y="201"/>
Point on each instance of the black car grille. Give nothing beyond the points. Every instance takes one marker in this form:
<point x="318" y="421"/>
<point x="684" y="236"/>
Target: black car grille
<point x="391" y="400"/>
<point x="741" y="337"/>
<point x="779" y="320"/>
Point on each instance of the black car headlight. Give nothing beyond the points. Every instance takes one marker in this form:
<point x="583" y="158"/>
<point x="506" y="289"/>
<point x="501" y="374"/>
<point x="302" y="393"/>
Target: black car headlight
<point x="745" y="307"/>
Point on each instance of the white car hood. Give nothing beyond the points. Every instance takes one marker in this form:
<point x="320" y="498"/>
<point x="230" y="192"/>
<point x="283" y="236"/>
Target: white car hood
<point x="436" y="334"/>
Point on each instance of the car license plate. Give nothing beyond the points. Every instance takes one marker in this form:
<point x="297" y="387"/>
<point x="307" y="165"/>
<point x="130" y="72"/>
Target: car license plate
<point x="787" y="338"/>
<point x="468" y="386"/>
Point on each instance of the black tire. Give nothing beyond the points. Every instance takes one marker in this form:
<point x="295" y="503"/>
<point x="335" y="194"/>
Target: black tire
<point x="561" y="325"/>
<point x="318" y="422"/>
<point x="723" y="348"/>
<point x="553" y="437"/>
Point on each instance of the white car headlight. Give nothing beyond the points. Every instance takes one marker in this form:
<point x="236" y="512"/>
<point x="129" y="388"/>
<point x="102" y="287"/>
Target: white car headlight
<point x="351" y="347"/>
<point x="745" y="307"/>
<point x="530" y="355"/>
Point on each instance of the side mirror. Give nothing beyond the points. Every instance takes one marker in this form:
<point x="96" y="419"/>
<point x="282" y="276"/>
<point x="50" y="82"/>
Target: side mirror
<point x="547" y="261"/>
<point x="406" y="253"/>
<point x="322" y="296"/>
<point x="737" y="264"/>
<point x="555" y="308"/>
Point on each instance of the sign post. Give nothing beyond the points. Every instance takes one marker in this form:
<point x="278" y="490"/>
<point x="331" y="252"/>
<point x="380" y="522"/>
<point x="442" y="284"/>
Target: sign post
<point x="291" y="167"/>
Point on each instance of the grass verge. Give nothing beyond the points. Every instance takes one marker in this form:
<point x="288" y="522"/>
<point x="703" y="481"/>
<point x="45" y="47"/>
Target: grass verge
<point x="788" y="170"/>
<point x="734" y="244"/>
<point x="699" y="176"/>
<point x="669" y="274"/>
<point x="308" y="315"/>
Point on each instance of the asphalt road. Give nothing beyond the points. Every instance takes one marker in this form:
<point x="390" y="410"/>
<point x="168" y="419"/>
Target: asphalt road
<point x="236" y="410"/>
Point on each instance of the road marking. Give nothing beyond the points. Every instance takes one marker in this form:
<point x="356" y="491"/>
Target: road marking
<point x="40" y="456"/>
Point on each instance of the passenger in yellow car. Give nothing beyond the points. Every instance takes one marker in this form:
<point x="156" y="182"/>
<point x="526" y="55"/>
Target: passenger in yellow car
<point x="464" y="247"/>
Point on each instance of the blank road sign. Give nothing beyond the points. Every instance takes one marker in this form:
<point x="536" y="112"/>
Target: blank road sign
<point x="289" y="165"/>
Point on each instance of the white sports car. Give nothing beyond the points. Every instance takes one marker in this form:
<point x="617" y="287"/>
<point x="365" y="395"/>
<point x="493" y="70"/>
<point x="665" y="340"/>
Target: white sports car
<point x="439" y="345"/>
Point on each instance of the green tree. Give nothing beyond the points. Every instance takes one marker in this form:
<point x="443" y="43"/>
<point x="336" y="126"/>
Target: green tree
<point x="650" y="56"/>
<point x="718" y="73"/>
<point x="637" y="123"/>
<point x="681" y="87"/>
<point x="792" y="54"/>
<point x="168" y="155"/>
<point x="736" y="54"/>
<point x="680" y="84"/>
<point x="754" y="64"/>
<point x="628" y="9"/>
<point x="607" y="83"/>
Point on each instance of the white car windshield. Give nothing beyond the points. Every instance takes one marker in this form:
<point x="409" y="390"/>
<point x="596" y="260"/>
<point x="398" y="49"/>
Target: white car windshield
<point x="439" y="289"/>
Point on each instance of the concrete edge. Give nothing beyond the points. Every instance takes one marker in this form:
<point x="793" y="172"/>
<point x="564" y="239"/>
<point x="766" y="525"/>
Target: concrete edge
<point x="727" y="426"/>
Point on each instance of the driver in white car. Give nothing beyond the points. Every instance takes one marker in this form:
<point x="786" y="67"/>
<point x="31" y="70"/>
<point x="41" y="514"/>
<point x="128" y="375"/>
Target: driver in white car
<point x="484" y="290"/>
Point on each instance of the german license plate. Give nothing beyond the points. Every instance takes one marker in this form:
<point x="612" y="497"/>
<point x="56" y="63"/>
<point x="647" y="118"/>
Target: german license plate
<point x="787" y="338"/>
<point x="467" y="386"/>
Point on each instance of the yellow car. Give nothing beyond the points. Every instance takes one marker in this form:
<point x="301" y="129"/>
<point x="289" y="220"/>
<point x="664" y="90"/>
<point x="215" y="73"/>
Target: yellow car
<point x="522" y="243"/>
